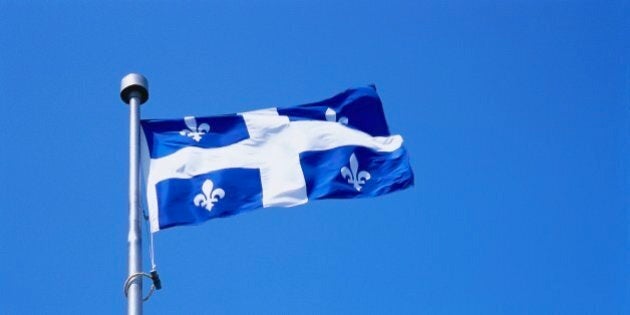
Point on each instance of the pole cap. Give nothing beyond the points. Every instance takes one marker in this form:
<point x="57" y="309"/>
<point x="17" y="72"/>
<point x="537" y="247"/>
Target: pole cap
<point x="134" y="82"/>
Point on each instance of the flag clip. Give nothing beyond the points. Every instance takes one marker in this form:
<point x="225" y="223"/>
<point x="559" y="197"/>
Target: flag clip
<point x="155" y="278"/>
<point x="157" y="283"/>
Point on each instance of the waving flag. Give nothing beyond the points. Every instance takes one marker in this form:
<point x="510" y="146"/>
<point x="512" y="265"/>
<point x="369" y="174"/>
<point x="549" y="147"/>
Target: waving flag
<point x="199" y="168"/>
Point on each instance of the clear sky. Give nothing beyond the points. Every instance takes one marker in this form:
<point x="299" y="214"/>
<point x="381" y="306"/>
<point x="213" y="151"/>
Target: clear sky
<point x="514" y="113"/>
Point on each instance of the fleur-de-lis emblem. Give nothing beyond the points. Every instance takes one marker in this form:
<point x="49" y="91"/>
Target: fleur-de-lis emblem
<point x="209" y="196"/>
<point x="354" y="178"/>
<point x="331" y="115"/>
<point x="194" y="131"/>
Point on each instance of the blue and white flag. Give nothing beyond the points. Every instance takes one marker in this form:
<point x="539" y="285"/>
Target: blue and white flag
<point x="199" y="168"/>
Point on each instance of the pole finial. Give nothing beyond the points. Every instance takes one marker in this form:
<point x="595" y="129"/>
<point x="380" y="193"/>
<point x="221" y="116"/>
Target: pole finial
<point x="134" y="82"/>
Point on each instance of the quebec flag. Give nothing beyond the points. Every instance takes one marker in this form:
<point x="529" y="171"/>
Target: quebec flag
<point x="200" y="168"/>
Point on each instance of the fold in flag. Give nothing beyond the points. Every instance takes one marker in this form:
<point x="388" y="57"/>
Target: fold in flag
<point x="199" y="168"/>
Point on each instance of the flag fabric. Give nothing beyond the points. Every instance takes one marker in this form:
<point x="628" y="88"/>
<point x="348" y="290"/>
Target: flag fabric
<point x="199" y="168"/>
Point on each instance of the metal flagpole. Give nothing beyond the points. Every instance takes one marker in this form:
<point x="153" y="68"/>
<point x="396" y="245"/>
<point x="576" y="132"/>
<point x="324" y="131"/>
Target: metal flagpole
<point x="134" y="90"/>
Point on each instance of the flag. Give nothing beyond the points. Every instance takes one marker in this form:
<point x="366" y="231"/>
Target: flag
<point x="199" y="168"/>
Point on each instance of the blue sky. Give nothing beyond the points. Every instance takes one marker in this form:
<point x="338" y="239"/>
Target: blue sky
<point x="514" y="113"/>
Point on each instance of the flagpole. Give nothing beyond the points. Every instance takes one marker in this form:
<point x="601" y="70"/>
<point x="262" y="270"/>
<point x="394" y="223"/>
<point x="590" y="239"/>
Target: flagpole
<point x="134" y="91"/>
